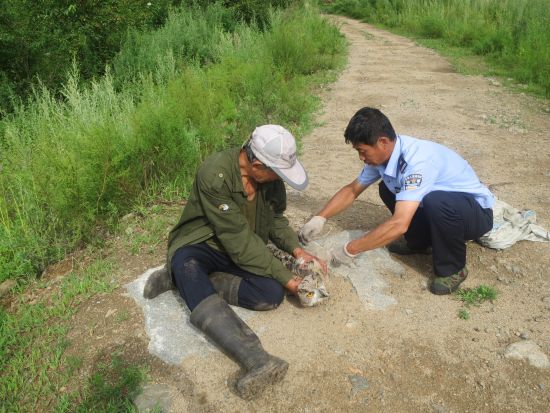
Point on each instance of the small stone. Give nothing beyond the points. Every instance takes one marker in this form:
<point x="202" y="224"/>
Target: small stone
<point x="423" y="285"/>
<point x="358" y="383"/>
<point x="493" y="268"/>
<point x="546" y="302"/>
<point x="408" y="311"/>
<point x="541" y="386"/>
<point x="527" y="350"/>
<point x="524" y="335"/>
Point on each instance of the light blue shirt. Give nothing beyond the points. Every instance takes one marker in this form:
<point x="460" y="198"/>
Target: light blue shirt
<point x="417" y="167"/>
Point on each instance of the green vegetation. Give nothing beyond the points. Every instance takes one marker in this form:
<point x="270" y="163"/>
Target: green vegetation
<point x="474" y="297"/>
<point x="33" y="338"/>
<point x="72" y="166"/>
<point x="512" y="34"/>
<point x="463" y="314"/>
<point x="110" y="388"/>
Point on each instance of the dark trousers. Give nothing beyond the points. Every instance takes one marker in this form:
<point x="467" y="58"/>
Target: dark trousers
<point x="192" y="264"/>
<point x="445" y="221"/>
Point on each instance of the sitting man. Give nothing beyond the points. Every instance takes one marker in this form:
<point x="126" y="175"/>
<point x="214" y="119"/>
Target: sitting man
<point x="434" y="195"/>
<point x="217" y="253"/>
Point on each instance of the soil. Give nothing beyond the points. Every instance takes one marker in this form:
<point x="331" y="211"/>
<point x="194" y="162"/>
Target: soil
<point x="414" y="356"/>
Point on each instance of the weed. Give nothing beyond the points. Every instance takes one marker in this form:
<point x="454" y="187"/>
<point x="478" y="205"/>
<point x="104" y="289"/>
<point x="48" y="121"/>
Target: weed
<point x="463" y="314"/>
<point x="476" y="296"/>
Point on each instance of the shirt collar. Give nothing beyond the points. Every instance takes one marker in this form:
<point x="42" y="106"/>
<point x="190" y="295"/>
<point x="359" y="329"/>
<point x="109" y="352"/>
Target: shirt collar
<point x="392" y="165"/>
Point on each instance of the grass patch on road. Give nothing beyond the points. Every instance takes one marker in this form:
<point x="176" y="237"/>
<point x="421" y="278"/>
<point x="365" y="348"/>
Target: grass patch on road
<point x="474" y="297"/>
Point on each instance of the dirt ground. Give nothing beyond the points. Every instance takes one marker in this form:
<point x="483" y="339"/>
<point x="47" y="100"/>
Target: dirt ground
<point x="417" y="355"/>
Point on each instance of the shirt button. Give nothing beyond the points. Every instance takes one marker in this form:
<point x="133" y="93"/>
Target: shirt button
<point x="220" y="175"/>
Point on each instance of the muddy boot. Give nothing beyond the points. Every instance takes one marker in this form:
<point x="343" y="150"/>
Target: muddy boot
<point x="227" y="286"/>
<point x="157" y="283"/>
<point x="218" y="321"/>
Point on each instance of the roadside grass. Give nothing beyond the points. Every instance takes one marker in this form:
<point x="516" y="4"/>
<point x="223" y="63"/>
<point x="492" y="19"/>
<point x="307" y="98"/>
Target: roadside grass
<point x="474" y="297"/>
<point x="33" y="339"/>
<point x="71" y="168"/>
<point x="511" y="36"/>
<point x="110" y="388"/>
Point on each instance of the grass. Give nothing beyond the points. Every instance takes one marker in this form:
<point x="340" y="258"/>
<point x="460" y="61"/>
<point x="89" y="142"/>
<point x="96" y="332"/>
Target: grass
<point x="474" y="297"/>
<point x="511" y="36"/>
<point x="33" y="338"/>
<point x="110" y="388"/>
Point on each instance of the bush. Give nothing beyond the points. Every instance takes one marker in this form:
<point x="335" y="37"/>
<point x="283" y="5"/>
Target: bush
<point x="71" y="166"/>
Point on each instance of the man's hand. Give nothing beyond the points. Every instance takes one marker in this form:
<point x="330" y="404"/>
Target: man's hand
<point x="307" y="257"/>
<point x="340" y="255"/>
<point x="292" y="285"/>
<point x="311" y="229"/>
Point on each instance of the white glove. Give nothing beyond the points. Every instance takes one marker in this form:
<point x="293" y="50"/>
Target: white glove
<point x="340" y="255"/>
<point x="311" y="229"/>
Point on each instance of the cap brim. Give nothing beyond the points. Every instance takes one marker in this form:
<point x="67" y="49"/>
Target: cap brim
<point x="296" y="176"/>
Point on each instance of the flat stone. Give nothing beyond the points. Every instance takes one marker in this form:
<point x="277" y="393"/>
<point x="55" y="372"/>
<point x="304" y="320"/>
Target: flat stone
<point x="172" y="337"/>
<point x="527" y="350"/>
<point x="368" y="273"/>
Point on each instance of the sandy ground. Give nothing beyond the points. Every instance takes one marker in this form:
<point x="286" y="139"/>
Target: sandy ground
<point x="417" y="355"/>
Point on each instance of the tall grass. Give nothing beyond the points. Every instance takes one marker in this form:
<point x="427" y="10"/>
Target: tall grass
<point x="70" y="167"/>
<point x="514" y="34"/>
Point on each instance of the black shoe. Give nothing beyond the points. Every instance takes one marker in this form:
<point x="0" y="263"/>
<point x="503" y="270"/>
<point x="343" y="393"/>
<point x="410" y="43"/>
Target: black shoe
<point x="218" y="321"/>
<point x="401" y="247"/>
<point x="157" y="283"/>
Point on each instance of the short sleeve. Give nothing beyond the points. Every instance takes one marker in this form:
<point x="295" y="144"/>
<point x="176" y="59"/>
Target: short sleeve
<point x="368" y="175"/>
<point x="416" y="182"/>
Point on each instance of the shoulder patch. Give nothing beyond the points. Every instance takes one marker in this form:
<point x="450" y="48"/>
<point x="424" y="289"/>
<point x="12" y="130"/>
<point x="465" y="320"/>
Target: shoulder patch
<point x="413" y="181"/>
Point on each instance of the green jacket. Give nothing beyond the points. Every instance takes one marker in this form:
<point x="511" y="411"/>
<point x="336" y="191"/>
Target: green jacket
<point x="215" y="207"/>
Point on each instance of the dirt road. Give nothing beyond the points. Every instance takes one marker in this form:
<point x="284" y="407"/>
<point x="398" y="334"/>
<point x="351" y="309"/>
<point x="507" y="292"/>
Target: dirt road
<point x="417" y="355"/>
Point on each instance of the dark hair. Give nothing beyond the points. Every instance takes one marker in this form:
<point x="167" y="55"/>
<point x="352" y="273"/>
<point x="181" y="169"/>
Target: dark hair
<point x="367" y="125"/>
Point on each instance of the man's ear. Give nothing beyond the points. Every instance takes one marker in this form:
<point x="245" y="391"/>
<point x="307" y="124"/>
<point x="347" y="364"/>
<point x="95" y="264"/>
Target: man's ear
<point x="383" y="141"/>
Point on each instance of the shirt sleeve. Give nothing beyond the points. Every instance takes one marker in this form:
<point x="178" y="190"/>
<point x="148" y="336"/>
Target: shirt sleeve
<point x="368" y="175"/>
<point x="244" y="247"/>
<point x="417" y="181"/>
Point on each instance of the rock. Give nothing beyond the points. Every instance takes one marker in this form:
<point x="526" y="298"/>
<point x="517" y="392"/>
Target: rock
<point x="6" y="287"/>
<point x="358" y="383"/>
<point x="154" y="397"/>
<point x="408" y="311"/>
<point x="524" y="335"/>
<point x="546" y="302"/>
<point x="527" y="350"/>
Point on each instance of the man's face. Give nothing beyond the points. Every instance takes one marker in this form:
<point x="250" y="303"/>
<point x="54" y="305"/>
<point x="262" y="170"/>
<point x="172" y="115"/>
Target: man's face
<point x="373" y="155"/>
<point x="261" y="173"/>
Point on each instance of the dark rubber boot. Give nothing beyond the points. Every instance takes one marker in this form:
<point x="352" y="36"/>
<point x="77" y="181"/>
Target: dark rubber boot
<point x="227" y="286"/>
<point x="218" y="321"/>
<point x="157" y="283"/>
